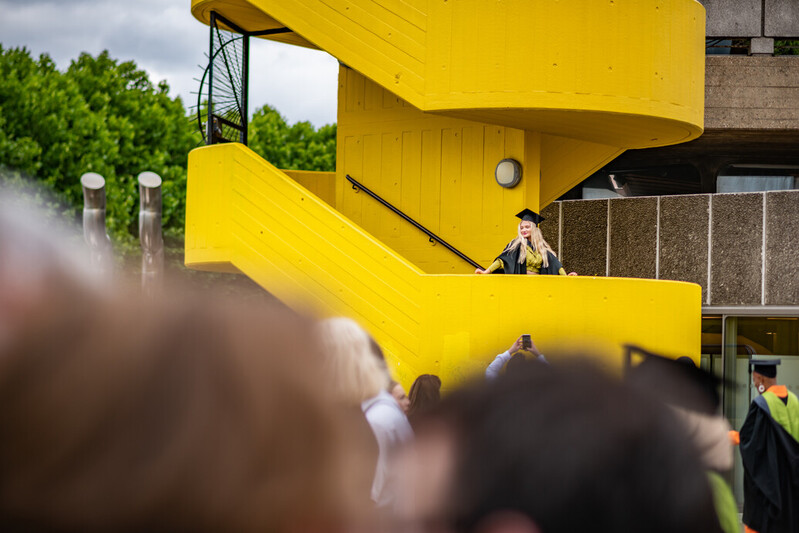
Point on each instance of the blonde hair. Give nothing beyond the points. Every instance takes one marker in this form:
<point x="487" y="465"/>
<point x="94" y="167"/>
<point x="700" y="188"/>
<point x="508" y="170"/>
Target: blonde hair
<point x="538" y="244"/>
<point x="355" y="370"/>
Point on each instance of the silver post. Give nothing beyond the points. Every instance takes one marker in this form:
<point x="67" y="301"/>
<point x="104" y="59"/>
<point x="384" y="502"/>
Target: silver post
<point x="94" y="232"/>
<point x="152" y="242"/>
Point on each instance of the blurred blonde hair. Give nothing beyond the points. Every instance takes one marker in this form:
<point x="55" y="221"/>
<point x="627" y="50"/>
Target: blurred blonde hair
<point x="356" y="372"/>
<point x="538" y="244"/>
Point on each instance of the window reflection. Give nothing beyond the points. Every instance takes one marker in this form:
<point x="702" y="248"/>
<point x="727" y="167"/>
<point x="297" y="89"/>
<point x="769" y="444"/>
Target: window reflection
<point x="757" y="178"/>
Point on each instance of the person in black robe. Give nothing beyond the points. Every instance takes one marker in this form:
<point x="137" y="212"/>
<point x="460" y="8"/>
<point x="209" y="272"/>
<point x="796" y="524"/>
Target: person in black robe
<point x="528" y="253"/>
<point x="769" y="445"/>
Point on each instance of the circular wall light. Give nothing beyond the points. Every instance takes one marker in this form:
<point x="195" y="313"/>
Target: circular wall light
<point x="508" y="173"/>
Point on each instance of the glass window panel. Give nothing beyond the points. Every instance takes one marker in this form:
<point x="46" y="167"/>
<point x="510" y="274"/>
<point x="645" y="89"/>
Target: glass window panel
<point x="757" y="178"/>
<point x="711" y="345"/>
<point x="754" y="183"/>
<point x="764" y="338"/>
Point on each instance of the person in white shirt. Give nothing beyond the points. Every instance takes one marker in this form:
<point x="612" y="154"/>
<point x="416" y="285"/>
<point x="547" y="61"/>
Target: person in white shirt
<point x="359" y="376"/>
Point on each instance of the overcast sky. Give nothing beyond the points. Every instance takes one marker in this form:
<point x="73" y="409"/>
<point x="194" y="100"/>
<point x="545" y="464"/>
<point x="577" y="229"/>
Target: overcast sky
<point x="164" y="39"/>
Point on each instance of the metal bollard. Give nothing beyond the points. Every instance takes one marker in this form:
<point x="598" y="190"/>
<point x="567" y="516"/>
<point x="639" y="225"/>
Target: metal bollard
<point x="94" y="232"/>
<point x="152" y="241"/>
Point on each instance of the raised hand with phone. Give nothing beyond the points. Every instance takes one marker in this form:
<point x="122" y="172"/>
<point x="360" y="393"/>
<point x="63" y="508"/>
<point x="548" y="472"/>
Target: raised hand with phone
<point x="524" y="343"/>
<point x="522" y="348"/>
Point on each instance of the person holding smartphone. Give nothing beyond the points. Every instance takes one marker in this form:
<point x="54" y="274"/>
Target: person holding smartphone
<point x="516" y="354"/>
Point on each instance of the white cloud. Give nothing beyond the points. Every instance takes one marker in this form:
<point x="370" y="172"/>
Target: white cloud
<point x="164" y="39"/>
<point x="302" y="83"/>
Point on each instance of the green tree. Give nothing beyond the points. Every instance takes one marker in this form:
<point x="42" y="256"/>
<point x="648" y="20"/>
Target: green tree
<point x="101" y="116"/>
<point x="296" y="147"/>
<point x="786" y="48"/>
<point x="105" y="116"/>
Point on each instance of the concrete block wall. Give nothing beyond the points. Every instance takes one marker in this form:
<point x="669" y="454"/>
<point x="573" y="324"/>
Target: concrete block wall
<point x="781" y="18"/>
<point x="743" y="249"/>
<point x="752" y="18"/>
<point x="752" y="93"/>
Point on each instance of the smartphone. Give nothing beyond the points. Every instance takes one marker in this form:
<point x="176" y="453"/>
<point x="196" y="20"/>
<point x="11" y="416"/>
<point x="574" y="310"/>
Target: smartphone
<point x="526" y="342"/>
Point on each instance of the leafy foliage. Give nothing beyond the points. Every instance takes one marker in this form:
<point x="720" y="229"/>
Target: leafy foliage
<point x="786" y="48"/>
<point x="297" y="147"/>
<point x="105" y="116"/>
<point x="99" y="116"/>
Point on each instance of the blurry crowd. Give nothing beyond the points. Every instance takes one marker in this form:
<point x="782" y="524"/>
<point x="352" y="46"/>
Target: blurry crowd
<point x="188" y="412"/>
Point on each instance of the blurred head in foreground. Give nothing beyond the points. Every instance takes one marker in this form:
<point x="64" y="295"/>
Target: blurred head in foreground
<point x="170" y="416"/>
<point x="692" y="395"/>
<point x="553" y="450"/>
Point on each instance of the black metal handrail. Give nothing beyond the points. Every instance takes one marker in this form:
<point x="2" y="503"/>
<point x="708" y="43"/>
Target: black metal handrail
<point x="432" y="236"/>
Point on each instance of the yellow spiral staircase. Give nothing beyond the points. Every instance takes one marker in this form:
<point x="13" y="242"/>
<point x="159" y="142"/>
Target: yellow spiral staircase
<point x="432" y="94"/>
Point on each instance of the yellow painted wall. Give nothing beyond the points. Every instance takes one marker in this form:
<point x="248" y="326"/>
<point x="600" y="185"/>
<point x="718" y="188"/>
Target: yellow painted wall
<point x="440" y="172"/>
<point x="436" y="169"/>
<point x="322" y="184"/>
<point x="566" y="162"/>
<point x="623" y="72"/>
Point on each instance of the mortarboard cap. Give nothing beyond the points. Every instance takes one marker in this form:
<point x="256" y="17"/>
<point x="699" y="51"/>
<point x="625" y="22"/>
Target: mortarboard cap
<point x="765" y="367"/>
<point x="677" y="382"/>
<point x="531" y="216"/>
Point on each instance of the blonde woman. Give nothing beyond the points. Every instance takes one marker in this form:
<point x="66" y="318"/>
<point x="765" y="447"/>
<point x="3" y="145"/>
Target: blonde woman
<point x="528" y="253"/>
<point x="359" y="377"/>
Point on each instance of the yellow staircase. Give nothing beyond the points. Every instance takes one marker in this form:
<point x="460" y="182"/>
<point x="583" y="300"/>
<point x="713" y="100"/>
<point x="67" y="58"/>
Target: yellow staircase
<point x="432" y="95"/>
<point x="246" y="215"/>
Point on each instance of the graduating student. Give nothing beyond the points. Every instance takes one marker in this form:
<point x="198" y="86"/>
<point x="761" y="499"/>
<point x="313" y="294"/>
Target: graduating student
<point x="528" y="253"/>
<point x="769" y="444"/>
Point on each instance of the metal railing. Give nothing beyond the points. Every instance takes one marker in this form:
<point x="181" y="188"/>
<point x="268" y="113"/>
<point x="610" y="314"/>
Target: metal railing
<point x="222" y="99"/>
<point x="432" y="237"/>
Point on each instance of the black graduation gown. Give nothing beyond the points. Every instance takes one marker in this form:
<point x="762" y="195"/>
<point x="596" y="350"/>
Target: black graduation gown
<point x="510" y="258"/>
<point x="771" y="473"/>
